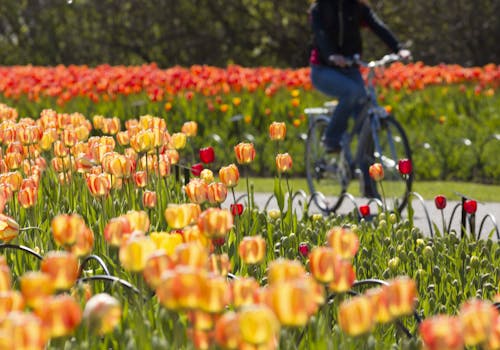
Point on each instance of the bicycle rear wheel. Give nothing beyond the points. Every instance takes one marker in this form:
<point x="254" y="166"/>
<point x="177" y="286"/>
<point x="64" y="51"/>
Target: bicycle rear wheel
<point x="388" y="146"/>
<point x="323" y="169"/>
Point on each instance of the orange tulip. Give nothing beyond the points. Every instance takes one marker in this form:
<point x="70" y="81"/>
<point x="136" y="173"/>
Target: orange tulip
<point x="5" y="275"/>
<point x="219" y="264"/>
<point x="84" y="243"/>
<point x="493" y="342"/>
<point x="138" y="220"/>
<point x="277" y="131"/>
<point x="143" y="141"/>
<point x="216" y="192"/>
<point x="258" y="325"/>
<point x="283" y="301"/>
<point x="227" y="331"/>
<point x="243" y="290"/>
<point x="99" y="185"/>
<point x="283" y="162"/>
<point x="10" y="300"/>
<point x="35" y="287"/>
<point x="376" y="171"/>
<point x="402" y="294"/>
<point x="116" y="229"/>
<point x="324" y="262"/>
<point x="66" y="228"/>
<point x="149" y="199"/>
<point x="245" y="152"/>
<point x="13" y="160"/>
<point x="343" y="241"/>
<point x="477" y="318"/>
<point x="30" y="334"/>
<point x="380" y="301"/>
<point x="190" y="254"/>
<point x="215" y="222"/>
<point x="181" y="288"/>
<point x="28" y="196"/>
<point x="190" y="128"/>
<point x="62" y="267"/>
<point x="140" y="178"/>
<point x="102" y="313"/>
<point x="9" y="228"/>
<point x="123" y="138"/>
<point x="60" y="315"/>
<point x="344" y="277"/>
<point x="120" y="166"/>
<point x="356" y="316"/>
<point x="157" y="263"/>
<point x="252" y="249"/>
<point x="282" y="270"/>
<point x="229" y="175"/>
<point x="216" y="294"/>
<point x="135" y="251"/>
<point x="201" y="320"/>
<point x="196" y="190"/>
<point x="442" y="332"/>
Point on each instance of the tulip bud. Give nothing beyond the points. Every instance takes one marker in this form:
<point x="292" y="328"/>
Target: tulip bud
<point x="196" y="190"/>
<point x="190" y="128"/>
<point x="405" y="166"/>
<point x="470" y="206"/>
<point x="322" y="262"/>
<point x="149" y="199"/>
<point x="440" y="201"/>
<point x="376" y="171"/>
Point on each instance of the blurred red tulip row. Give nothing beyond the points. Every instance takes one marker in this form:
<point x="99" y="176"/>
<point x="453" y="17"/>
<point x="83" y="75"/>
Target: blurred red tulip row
<point x="107" y="82"/>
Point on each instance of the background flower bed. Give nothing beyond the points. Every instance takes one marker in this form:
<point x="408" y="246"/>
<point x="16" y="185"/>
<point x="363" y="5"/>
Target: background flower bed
<point x="450" y="112"/>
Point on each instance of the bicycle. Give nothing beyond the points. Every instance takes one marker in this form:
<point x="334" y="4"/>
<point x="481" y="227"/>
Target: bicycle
<point x="375" y="137"/>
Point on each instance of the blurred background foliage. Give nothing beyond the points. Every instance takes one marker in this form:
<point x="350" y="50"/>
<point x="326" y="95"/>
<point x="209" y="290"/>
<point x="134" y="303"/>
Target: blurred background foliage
<point x="218" y="32"/>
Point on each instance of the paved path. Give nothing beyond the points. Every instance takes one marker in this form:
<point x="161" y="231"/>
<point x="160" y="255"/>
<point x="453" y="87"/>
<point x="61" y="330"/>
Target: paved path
<point x="488" y="211"/>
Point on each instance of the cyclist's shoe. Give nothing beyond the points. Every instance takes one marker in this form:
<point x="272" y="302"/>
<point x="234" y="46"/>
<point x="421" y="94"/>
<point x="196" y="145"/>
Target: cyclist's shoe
<point x="332" y="149"/>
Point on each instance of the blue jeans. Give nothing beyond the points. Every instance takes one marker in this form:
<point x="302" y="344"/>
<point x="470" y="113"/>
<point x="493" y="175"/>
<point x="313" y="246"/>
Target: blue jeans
<point x="347" y="85"/>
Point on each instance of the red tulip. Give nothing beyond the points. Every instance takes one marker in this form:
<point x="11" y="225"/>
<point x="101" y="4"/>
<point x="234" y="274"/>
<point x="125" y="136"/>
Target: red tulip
<point x="196" y="169"/>
<point x="470" y="206"/>
<point x="237" y="209"/>
<point x="207" y="155"/>
<point x="364" y="210"/>
<point x="304" y="249"/>
<point x="440" y="201"/>
<point x="405" y="167"/>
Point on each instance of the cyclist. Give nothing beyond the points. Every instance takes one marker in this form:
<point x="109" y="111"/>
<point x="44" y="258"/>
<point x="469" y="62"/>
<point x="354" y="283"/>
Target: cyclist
<point x="336" y="26"/>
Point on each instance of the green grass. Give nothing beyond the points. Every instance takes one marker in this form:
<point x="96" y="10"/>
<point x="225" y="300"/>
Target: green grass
<point x="427" y="189"/>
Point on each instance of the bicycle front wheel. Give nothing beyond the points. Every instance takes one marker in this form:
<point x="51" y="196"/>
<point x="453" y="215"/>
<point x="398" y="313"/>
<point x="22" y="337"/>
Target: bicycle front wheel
<point x="323" y="171"/>
<point x="388" y="145"/>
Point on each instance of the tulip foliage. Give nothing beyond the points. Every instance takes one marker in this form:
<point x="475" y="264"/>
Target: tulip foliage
<point x="129" y="234"/>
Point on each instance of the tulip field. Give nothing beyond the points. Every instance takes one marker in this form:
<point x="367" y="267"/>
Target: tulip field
<point x="115" y="232"/>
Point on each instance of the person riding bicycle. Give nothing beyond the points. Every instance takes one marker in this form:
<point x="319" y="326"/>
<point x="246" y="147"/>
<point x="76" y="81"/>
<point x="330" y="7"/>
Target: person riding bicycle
<point x="336" y="26"/>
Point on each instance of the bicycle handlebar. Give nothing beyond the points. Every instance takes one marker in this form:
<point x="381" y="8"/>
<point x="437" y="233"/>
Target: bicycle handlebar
<point x="387" y="59"/>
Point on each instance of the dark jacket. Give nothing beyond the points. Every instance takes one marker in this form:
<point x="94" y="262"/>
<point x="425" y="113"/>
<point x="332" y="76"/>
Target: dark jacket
<point x="336" y="26"/>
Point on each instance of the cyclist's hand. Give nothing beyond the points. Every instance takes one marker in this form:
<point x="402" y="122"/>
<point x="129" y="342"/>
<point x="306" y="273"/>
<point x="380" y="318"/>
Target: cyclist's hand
<point x="404" y="54"/>
<point x="338" y="60"/>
